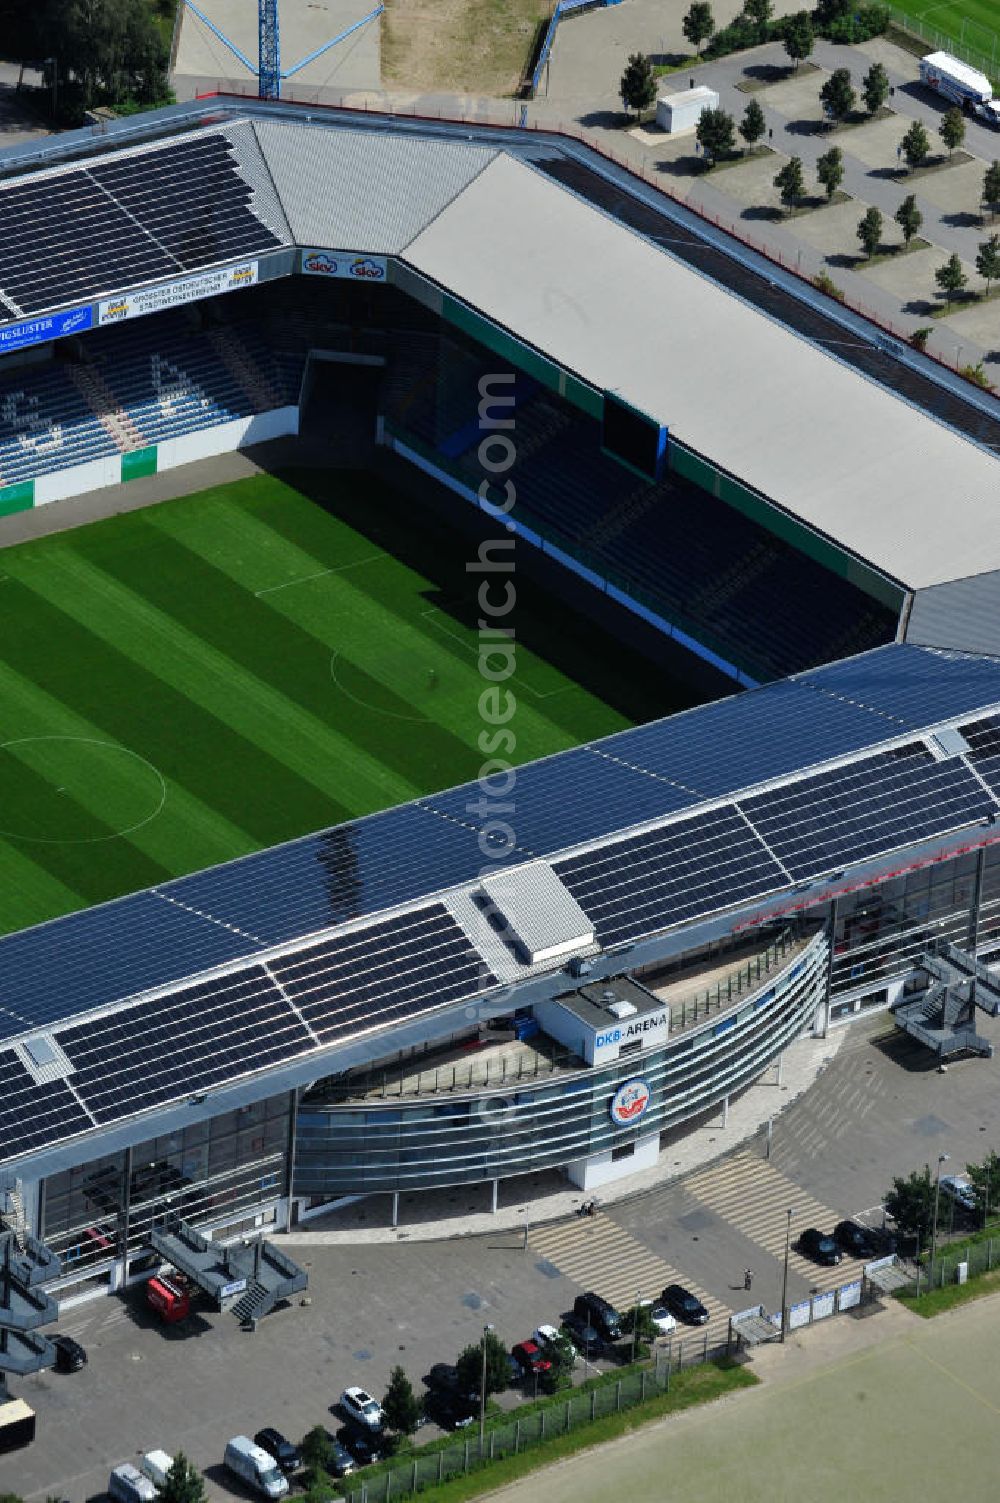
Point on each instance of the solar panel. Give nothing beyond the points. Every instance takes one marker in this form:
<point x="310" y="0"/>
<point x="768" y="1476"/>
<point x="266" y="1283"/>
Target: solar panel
<point x="32" y="1116"/>
<point x="114" y="224"/>
<point x="684" y="870"/>
<point x="914" y="685"/>
<point x="342" y="874"/>
<point x="750" y="738"/>
<point x="183" y="1042"/>
<point x="564" y="800"/>
<point x="90" y="959"/>
<point x="983" y="737"/>
<point x="381" y="974"/>
<point x="876" y="805"/>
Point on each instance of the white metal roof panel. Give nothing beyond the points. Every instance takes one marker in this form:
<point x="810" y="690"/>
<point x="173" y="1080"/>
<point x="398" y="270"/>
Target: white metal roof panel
<point x="840" y="452"/>
<point x="540" y="912"/>
<point x="358" y="190"/>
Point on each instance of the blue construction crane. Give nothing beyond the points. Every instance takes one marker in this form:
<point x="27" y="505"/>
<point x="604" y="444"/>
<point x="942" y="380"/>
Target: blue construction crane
<point x="268" y="69"/>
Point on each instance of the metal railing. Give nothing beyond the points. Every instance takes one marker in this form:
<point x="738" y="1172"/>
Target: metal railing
<point x="747" y="978"/>
<point x="406" y="1081"/>
<point x="509" y="1435"/>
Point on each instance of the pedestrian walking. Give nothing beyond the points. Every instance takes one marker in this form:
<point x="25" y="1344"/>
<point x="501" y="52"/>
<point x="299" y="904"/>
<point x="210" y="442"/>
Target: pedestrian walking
<point x="747" y="1278"/>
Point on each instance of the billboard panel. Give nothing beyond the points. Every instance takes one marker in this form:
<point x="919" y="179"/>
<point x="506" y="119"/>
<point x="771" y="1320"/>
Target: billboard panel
<point x="172" y="294"/>
<point x="51" y="326"/>
<point x="325" y="263"/>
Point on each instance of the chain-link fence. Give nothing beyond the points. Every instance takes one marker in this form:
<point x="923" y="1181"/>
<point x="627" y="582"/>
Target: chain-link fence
<point x="978" y="1257"/>
<point x="509" y="1435"/>
<point x="970" y="43"/>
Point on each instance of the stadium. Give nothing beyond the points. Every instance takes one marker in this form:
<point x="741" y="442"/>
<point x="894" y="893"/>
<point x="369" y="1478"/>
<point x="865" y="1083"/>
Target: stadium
<point x="255" y="959"/>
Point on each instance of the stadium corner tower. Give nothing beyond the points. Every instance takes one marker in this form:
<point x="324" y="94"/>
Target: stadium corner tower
<point x="410" y="1002"/>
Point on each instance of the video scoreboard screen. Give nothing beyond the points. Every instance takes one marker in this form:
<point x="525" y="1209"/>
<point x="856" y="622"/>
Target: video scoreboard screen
<point x="633" y="438"/>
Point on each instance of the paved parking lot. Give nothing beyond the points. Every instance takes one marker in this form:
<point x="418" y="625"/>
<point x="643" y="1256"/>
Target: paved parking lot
<point x="879" y="1108"/>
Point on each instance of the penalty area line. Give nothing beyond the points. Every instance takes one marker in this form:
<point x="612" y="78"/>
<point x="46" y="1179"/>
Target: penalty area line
<point x="319" y="574"/>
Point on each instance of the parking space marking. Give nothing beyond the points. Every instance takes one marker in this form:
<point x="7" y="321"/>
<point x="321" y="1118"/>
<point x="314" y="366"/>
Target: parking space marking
<point x="598" y="1254"/>
<point x="755" y="1197"/>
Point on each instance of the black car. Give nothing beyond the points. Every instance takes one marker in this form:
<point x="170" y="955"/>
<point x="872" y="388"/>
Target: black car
<point x="585" y="1337"/>
<point x="364" y="1447"/>
<point x="70" y="1355"/>
<point x="339" y="1460"/>
<point x="685" y="1305"/>
<point x="819" y="1247"/>
<point x="288" y="1457"/>
<point x="595" y="1311"/>
<point x="450" y="1411"/>
<point x="857" y="1241"/>
<point x="443" y="1378"/>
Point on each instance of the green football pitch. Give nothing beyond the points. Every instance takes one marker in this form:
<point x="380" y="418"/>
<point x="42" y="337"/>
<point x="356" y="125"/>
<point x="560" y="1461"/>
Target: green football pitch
<point x="971" y="24"/>
<point x="208" y="676"/>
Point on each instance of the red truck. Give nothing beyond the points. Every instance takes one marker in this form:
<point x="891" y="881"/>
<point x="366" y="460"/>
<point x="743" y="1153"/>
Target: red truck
<point x="169" y="1298"/>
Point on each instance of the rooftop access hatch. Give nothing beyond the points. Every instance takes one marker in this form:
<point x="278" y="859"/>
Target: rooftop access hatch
<point x="541" y="914"/>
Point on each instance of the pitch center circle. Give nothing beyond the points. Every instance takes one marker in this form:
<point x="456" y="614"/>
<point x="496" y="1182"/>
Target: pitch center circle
<point x="75" y="790"/>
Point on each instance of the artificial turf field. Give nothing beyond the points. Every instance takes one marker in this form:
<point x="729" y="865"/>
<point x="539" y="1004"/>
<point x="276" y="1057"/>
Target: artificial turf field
<point x="193" y="681"/>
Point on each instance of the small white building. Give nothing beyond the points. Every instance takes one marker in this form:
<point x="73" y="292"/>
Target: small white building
<point x="682" y="111"/>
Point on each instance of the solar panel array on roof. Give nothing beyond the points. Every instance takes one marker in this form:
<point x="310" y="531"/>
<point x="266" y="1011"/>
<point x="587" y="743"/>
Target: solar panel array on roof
<point x="751" y="738"/>
<point x="31" y="1116"/>
<point x="186" y="1041"/>
<point x="383" y="973"/>
<point x="983" y="737"/>
<point x="895" y="799"/>
<point x="914" y="685"/>
<point x="191" y="199"/>
<point x="90" y="959"/>
<point x="114" y="224"/>
<point x="566" y="800"/>
<point x="341" y="874"/>
<point x="651" y="882"/>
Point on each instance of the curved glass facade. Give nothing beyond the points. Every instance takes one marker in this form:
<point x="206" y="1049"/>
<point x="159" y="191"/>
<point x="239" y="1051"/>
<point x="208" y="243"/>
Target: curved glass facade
<point x="465" y="1137"/>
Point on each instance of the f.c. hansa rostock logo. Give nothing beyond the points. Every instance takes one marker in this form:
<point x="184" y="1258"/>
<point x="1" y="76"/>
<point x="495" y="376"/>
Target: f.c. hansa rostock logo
<point x="629" y="1103"/>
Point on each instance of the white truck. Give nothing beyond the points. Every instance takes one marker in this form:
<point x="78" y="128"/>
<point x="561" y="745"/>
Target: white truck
<point x="970" y="90"/>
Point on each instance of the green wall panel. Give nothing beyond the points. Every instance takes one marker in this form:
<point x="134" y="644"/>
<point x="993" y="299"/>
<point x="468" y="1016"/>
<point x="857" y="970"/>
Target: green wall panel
<point x="17" y="497"/>
<point x="138" y="463"/>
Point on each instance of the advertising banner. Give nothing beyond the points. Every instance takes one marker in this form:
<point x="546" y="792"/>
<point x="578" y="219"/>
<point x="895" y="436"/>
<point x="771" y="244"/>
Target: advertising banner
<point x="324" y="263"/>
<point x="173" y="294"/>
<point x="51" y="326"/>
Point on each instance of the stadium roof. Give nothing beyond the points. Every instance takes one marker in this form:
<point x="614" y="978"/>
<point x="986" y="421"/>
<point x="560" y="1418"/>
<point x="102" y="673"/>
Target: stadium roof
<point x="821" y="441"/>
<point x="276" y="957"/>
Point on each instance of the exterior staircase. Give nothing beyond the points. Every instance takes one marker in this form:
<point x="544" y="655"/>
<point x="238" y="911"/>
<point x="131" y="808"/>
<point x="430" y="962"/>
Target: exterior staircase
<point x="255" y="1303"/>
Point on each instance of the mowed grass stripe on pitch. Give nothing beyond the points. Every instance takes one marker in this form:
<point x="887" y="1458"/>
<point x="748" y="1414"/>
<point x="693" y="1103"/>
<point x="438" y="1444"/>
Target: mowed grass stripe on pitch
<point x="189" y="744"/>
<point x="186" y="828"/>
<point x="372" y="623"/>
<point x="306" y="747"/>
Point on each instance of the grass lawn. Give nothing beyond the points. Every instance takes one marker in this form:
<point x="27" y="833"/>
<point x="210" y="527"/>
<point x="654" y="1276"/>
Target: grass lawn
<point x="971" y="23"/>
<point x="193" y="681"/>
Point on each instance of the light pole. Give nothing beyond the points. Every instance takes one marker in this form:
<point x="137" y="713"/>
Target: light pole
<point x="942" y="1159"/>
<point x="784" y="1277"/>
<point x="482" y="1394"/>
<point x="635" y="1320"/>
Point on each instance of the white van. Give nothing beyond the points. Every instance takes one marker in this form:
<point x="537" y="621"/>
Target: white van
<point x="156" y="1465"/>
<point x="253" y="1465"/>
<point x="127" y="1485"/>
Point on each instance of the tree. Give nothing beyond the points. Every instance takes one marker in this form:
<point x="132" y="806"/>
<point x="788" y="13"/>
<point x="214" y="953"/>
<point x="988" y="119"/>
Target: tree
<point x="870" y="232"/>
<point x="184" y="1483"/>
<point x="985" y="1177"/>
<point x="910" y="1203"/>
<point x="753" y="125"/>
<point x="716" y="134"/>
<point x="799" y="36"/>
<point x="837" y="95"/>
<point x="400" y="1406"/>
<point x="470" y="1366"/>
<point x="638" y="85"/>
<point x="791" y="182"/>
<point x="950" y="277"/>
<point x="698" y="24"/>
<point x="988" y="266"/>
<point x="758" y="13"/>
<point x="991" y="188"/>
<point x="909" y="218"/>
<point x="103" y="52"/>
<point x="952" y="129"/>
<point x="316" y="1452"/>
<point x="875" y="88"/>
<point x="830" y="170"/>
<point x="916" y="145"/>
